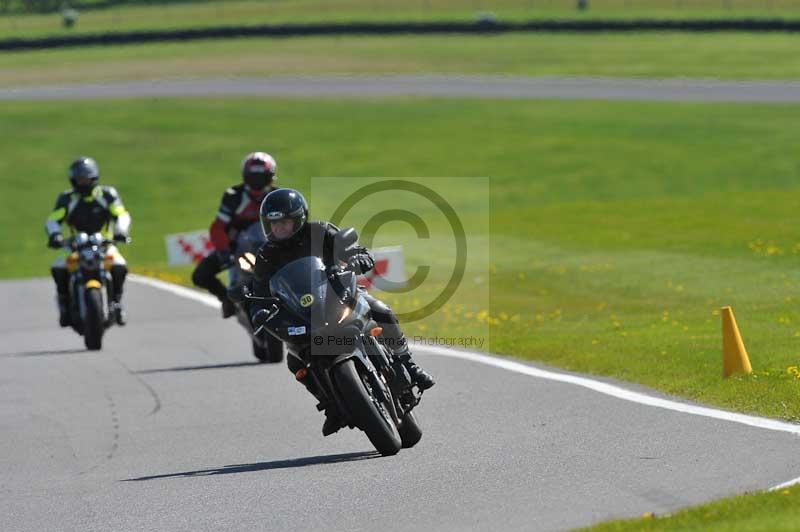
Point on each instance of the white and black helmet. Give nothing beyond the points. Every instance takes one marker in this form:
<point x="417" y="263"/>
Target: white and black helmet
<point x="83" y="174"/>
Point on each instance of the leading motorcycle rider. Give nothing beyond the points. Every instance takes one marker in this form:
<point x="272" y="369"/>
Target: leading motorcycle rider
<point x="290" y="236"/>
<point x="237" y="211"/>
<point x="88" y="208"/>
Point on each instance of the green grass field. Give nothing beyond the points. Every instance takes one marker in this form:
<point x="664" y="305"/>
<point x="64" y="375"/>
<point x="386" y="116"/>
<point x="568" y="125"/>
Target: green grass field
<point x="609" y="234"/>
<point x="617" y="229"/>
<point x="771" y="512"/>
<point x="252" y="12"/>
<point x="726" y="56"/>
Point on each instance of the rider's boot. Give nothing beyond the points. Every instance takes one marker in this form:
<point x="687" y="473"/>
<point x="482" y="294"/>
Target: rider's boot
<point x="118" y="274"/>
<point x="228" y="307"/>
<point x="419" y="376"/>
<point x="120" y="316"/>
<point x="204" y="276"/>
<point x="61" y="278"/>
<point x="333" y="421"/>
<point x="64" y="318"/>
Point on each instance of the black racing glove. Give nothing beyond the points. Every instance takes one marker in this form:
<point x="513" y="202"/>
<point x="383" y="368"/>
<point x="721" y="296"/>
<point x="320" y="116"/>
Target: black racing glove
<point x="56" y="241"/>
<point x="361" y="263"/>
<point x="262" y="316"/>
<point x="122" y="238"/>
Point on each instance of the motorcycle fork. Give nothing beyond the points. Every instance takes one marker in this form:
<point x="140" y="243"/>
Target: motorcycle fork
<point x="108" y="295"/>
<point x="79" y="291"/>
<point x="360" y="358"/>
<point x="379" y="374"/>
<point x="319" y="376"/>
<point x="322" y="380"/>
<point x="396" y="375"/>
<point x="383" y="365"/>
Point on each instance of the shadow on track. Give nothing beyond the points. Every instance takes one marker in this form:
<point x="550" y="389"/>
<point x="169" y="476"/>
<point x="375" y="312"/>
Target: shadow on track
<point x="265" y="466"/>
<point x="47" y="352"/>
<point x="193" y="368"/>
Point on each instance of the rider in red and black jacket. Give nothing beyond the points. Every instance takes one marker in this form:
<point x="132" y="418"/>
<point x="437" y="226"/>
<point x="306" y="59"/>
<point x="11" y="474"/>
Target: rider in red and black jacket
<point x="237" y="211"/>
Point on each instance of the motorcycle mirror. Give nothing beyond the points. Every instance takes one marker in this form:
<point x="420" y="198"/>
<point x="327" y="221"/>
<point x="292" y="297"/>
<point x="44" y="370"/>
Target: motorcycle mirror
<point x="343" y="240"/>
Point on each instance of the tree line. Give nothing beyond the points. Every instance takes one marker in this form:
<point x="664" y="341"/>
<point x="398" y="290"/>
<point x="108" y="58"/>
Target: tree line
<point x="50" y="6"/>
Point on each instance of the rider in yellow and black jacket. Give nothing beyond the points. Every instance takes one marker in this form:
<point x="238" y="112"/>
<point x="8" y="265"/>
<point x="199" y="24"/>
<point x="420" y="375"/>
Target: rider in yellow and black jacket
<point x="88" y="207"/>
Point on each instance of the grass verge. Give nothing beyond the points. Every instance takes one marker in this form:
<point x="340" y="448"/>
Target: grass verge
<point x="776" y="511"/>
<point x="617" y="229"/>
<point x="605" y="242"/>
<point x="725" y="56"/>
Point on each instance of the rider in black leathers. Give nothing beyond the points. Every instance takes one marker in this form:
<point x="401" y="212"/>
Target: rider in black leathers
<point x="284" y="215"/>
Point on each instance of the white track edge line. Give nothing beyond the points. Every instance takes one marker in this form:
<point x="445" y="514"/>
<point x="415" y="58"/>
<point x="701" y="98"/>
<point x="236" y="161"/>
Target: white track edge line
<point x="524" y="369"/>
<point x="177" y="290"/>
<point x="517" y="367"/>
<point x="615" y="391"/>
<point x="788" y="484"/>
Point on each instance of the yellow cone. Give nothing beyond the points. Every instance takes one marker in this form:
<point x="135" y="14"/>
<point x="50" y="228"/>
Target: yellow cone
<point x="734" y="355"/>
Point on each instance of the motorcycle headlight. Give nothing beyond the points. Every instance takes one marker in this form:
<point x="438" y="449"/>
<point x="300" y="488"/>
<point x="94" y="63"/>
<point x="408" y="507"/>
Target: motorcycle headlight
<point x="81" y="239"/>
<point x="247" y="261"/>
<point x="88" y="260"/>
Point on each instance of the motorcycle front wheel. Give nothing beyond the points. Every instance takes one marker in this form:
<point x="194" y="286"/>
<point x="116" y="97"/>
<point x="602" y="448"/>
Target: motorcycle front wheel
<point x="410" y="432"/>
<point x="93" y="324"/>
<point x="370" y="416"/>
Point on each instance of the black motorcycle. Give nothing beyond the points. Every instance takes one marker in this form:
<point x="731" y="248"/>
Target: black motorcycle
<point x="323" y="318"/>
<point x="91" y="287"/>
<point x="265" y="347"/>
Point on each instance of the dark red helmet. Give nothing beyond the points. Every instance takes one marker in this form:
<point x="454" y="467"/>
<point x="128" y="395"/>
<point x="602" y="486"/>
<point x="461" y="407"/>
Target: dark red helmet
<point x="258" y="170"/>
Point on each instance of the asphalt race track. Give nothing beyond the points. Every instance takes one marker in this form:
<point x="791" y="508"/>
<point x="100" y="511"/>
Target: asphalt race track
<point x="172" y="427"/>
<point x="452" y="86"/>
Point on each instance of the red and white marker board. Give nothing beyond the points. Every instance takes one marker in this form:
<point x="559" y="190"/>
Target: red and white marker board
<point x="389" y="266"/>
<point x="192" y="246"/>
<point x="188" y="248"/>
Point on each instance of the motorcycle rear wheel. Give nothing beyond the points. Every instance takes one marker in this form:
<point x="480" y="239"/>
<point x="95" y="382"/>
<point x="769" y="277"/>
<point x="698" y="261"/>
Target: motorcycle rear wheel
<point x="93" y="324"/>
<point x="375" y="421"/>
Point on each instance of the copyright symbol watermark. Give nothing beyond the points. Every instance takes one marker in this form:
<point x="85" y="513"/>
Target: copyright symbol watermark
<point x="389" y="201"/>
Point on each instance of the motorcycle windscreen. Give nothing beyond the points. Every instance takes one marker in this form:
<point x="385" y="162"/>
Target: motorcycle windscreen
<point x="251" y="239"/>
<point x="302" y="287"/>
